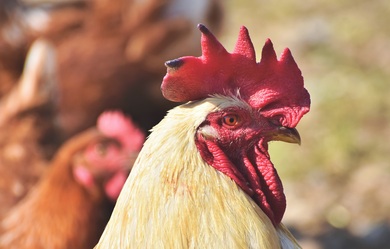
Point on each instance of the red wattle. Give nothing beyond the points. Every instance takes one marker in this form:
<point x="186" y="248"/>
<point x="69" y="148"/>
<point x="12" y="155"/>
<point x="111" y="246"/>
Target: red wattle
<point x="253" y="172"/>
<point x="114" y="186"/>
<point x="270" y="196"/>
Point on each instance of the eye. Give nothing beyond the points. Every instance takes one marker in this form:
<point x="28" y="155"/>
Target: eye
<point x="101" y="149"/>
<point x="231" y="120"/>
<point x="105" y="147"/>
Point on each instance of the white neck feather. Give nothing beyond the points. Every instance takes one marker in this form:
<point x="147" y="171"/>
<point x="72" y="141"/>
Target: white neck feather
<point x="173" y="199"/>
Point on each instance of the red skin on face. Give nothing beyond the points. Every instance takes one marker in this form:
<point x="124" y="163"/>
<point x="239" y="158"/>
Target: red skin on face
<point x="240" y="152"/>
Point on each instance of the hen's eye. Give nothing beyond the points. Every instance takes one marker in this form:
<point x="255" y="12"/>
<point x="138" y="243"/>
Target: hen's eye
<point x="101" y="149"/>
<point x="230" y="120"/>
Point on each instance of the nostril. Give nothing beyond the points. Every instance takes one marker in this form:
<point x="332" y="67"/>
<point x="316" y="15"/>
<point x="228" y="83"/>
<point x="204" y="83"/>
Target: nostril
<point x="276" y="120"/>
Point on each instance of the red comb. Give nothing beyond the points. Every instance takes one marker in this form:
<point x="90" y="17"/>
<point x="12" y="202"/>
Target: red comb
<point x="116" y="125"/>
<point x="272" y="85"/>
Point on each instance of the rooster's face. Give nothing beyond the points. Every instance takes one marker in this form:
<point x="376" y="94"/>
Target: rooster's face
<point x="234" y="140"/>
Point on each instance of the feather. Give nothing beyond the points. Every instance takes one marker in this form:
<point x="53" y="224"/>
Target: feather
<point x="173" y="199"/>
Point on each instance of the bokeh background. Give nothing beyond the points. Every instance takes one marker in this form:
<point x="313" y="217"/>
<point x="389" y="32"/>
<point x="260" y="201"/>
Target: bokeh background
<point x="337" y="182"/>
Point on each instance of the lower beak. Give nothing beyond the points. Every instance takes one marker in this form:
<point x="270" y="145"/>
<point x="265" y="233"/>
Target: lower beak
<point x="131" y="160"/>
<point x="285" y="134"/>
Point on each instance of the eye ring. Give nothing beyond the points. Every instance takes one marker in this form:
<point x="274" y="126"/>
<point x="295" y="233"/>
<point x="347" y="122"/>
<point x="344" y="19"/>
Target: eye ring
<point x="231" y="120"/>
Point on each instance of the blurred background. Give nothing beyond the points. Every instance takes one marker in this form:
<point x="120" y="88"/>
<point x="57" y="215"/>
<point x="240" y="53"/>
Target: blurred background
<point x="338" y="181"/>
<point x="109" y="55"/>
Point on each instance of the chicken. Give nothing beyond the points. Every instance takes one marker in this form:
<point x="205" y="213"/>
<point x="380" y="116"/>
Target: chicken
<point x="204" y="178"/>
<point x="71" y="205"/>
<point x="28" y="135"/>
<point x="12" y="45"/>
<point x="113" y="55"/>
<point x="36" y="86"/>
<point x="110" y="54"/>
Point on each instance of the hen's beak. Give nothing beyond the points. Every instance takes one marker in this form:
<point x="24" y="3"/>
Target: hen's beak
<point x="131" y="160"/>
<point x="285" y="134"/>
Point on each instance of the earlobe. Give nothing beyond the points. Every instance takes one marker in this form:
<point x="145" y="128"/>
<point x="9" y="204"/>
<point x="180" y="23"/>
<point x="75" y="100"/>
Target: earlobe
<point x="85" y="178"/>
<point x="208" y="132"/>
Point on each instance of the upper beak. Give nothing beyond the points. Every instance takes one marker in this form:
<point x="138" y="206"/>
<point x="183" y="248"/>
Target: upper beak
<point x="285" y="134"/>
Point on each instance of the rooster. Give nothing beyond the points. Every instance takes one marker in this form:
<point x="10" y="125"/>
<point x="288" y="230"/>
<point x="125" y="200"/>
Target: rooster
<point x="204" y="178"/>
<point x="71" y="204"/>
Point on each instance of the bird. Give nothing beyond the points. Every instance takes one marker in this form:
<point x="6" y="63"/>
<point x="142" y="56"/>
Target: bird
<point x="204" y="177"/>
<point x="70" y="206"/>
<point x="28" y="134"/>
<point x="13" y="44"/>
<point x="108" y="55"/>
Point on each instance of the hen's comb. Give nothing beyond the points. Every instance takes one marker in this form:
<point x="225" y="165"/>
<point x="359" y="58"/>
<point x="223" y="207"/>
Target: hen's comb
<point x="275" y="86"/>
<point x="116" y="125"/>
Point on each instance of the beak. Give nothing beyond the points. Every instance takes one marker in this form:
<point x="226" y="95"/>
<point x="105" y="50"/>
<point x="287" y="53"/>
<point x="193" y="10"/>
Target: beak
<point x="131" y="160"/>
<point x="285" y="134"/>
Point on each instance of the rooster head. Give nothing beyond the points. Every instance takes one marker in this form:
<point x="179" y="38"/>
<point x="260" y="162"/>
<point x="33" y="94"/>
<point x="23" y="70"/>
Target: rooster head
<point x="272" y="85"/>
<point x="256" y="102"/>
